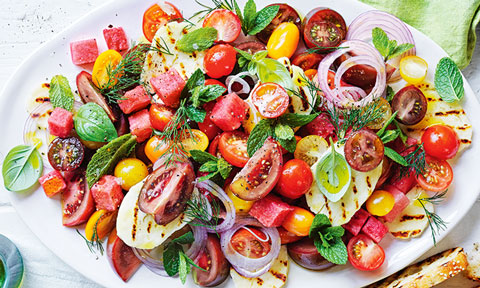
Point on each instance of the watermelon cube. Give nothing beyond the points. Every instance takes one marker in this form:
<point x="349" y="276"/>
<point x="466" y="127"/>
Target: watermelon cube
<point x="356" y="223"/>
<point x="404" y="184"/>
<point x="401" y="202"/>
<point x="229" y="112"/>
<point x="134" y="100"/>
<point x="374" y="229"/>
<point x="116" y="38"/>
<point x="84" y="51"/>
<point x="60" y="122"/>
<point x="52" y="183"/>
<point x="270" y="211"/>
<point x="168" y="86"/>
<point x="107" y="193"/>
<point x="207" y="126"/>
<point x="140" y="125"/>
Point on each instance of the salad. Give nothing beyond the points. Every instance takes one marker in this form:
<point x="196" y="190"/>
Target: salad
<point x="234" y="141"/>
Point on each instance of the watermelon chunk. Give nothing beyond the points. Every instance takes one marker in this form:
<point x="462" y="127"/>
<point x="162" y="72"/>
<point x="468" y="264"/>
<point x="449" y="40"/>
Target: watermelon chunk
<point x="321" y="126"/>
<point x="270" y="211"/>
<point x="52" y="183"/>
<point x="84" y="51"/>
<point x="229" y="112"/>
<point x="356" y="223"/>
<point x="207" y="126"/>
<point x="404" y="184"/>
<point x="134" y="100"/>
<point x="107" y="193"/>
<point x="60" y="122"/>
<point x="116" y="38"/>
<point x="401" y="202"/>
<point x="140" y="125"/>
<point x="374" y="229"/>
<point x="168" y="86"/>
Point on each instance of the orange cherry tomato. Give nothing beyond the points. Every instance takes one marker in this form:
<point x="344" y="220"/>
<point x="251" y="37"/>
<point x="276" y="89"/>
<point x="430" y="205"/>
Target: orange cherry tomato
<point x="270" y="99"/>
<point x="157" y="16"/>
<point x="233" y="147"/>
<point x="155" y="148"/>
<point x="298" y="221"/>
<point x="311" y="73"/>
<point x="438" y="175"/>
<point x="100" y="224"/>
<point x="287" y="237"/>
<point x="107" y="61"/>
<point x="284" y="41"/>
<point x="160" y="116"/>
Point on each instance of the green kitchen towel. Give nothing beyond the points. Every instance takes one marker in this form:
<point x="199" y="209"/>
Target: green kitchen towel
<point x="450" y="23"/>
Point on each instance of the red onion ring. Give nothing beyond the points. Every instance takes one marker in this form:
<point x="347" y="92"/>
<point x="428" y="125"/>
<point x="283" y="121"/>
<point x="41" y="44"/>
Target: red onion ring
<point x="348" y="97"/>
<point x="218" y="192"/>
<point x="249" y="267"/>
<point x="153" y="258"/>
<point x="232" y="79"/>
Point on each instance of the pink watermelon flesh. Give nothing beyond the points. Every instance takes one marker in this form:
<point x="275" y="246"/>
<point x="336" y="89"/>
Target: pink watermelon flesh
<point x="270" y="211"/>
<point x="356" y="223"/>
<point x="229" y="112"/>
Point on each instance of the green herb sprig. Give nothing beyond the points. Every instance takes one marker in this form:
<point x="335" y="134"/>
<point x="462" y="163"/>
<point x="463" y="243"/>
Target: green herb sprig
<point x="435" y="222"/>
<point x="328" y="240"/>
<point x="200" y="215"/>
<point x="60" y="93"/>
<point x="388" y="48"/>
<point x="252" y="21"/>
<point x="449" y="81"/>
<point x="94" y="244"/>
<point x="211" y="164"/>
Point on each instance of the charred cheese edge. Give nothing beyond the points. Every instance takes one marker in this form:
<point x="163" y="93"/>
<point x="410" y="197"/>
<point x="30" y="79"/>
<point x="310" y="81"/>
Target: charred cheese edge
<point x="276" y="277"/>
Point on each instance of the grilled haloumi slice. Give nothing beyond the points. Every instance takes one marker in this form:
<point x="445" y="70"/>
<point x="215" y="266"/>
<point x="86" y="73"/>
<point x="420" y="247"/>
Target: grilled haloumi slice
<point x="413" y="220"/>
<point x="140" y="230"/>
<point x="157" y="63"/>
<point x="340" y="212"/>
<point x="276" y="277"/>
<point x="441" y="112"/>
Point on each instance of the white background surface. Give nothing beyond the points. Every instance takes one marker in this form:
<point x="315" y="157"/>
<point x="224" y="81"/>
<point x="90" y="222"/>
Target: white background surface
<point x="24" y="25"/>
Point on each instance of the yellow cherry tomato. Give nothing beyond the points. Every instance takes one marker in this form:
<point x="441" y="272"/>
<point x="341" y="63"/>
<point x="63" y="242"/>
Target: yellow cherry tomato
<point x="253" y="117"/>
<point x="107" y="61"/>
<point x="310" y="148"/>
<point x="311" y="73"/>
<point x="197" y="140"/>
<point x="284" y="41"/>
<point x="298" y="221"/>
<point x="130" y="171"/>
<point x="241" y="206"/>
<point x="421" y="195"/>
<point x="155" y="148"/>
<point x="380" y="203"/>
<point x="413" y="69"/>
<point x="100" y="224"/>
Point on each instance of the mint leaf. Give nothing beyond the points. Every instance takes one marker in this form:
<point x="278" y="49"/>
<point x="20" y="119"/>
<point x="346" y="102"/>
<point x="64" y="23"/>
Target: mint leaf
<point x="171" y="259"/>
<point x="197" y="40"/>
<point x="400" y="49"/>
<point x="380" y="41"/>
<point x="202" y="156"/>
<point x="204" y="94"/>
<point x="390" y="93"/>
<point x="319" y="223"/>
<point x="263" y="18"/>
<point x="196" y="114"/>
<point x="197" y="79"/>
<point x="289" y="144"/>
<point x="392" y="154"/>
<point x="335" y="232"/>
<point x="60" y="93"/>
<point x="449" y="81"/>
<point x="284" y="132"/>
<point x="224" y="168"/>
<point x="208" y="176"/>
<point x="244" y="54"/>
<point x="296" y="120"/>
<point x="183" y="267"/>
<point x="335" y="253"/>
<point x="186" y="238"/>
<point x="259" y="134"/>
<point x="389" y="136"/>
<point x="249" y="14"/>
<point x="210" y="166"/>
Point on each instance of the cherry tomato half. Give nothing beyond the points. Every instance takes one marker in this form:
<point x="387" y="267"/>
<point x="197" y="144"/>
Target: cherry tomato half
<point x="160" y="116"/>
<point x="298" y="221"/>
<point x="106" y="61"/>
<point x="233" y="147"/>
<point x="295" y="180"/>
<point x="441" y="142"/>
<point x="438" y="175"/>
<point x="246" y="242"/>
<point x="220" y="60"/>
<point x="270" y="99"/>
<point x="410" y="104"/>
<point x="287" y="237"/>
<point x="323" y="27"/>
<point x="228" y="25"/>
<point x="284" y="41"/>
<point x="157" y="16"/>
<point x="307" y="61"/>
<point x="65" y="154"/>
<point x="364" y="254"/>
<point x="364" y="150"/>
<point x="380" y="203"/>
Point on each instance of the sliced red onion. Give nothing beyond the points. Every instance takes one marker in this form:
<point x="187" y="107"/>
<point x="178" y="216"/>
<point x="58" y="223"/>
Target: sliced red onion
<point x="218" y="192"/>
<point x="232" y="79"/>
<point x="153" y="258"/>
<point x="348" y="97"/>
<point x="244" y="265"/>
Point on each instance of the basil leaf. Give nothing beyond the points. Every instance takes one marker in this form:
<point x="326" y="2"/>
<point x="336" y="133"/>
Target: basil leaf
<point x="203" y="94"/>
<point x="392" y="154"/>
<point x="171" y="259"/>
<point x="335" y="253"/>
<point x="21" y="168"/>
<point x="210" y="166"/>
<point x="106" y="158"/>
<point x="202" y="156"/>
<point x="284" y="132"/>
<point x="296" y="120"/>
<point x="186" y="238"/>
<point x="197" y="79"/>
<point x="60" y="93"/>
<point x="196" y="114"/>
<point x="224" y="168"/>
<point x="449" y="81"/>
<point x="263" y="18"/>
<point x="259" y="134"/>
<point x="270" y="70"/>
<point x="93" y="124"/>
<point x="197" y="40"/>
<point x="289" y="144"/>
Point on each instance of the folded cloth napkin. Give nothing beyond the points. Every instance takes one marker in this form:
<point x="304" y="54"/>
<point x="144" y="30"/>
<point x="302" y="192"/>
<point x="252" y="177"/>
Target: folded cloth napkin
<point x="450" y="23"/>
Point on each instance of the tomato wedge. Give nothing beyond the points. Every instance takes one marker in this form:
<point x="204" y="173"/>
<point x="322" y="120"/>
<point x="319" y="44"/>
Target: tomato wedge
<point x="227" y="24"/>
<point x="233" y="147"/>
<point x="214" y="262"/>
<point x="157" y="16"/>
<point x="307" y="60"/>
<point x="364" y="254"/>
<point x="270" y="99"/>
<point x="438" y="175"/>
<point x="77" y="201"/>
<point x="121" y="257"/>
<point x="260" y="174"/>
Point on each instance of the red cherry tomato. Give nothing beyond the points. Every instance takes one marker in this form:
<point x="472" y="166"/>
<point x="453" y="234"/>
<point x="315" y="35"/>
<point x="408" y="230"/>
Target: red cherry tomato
<point x="213" y="148"/>
<point x="247" y="243"/>
<point x="160" y="116"/>
<point x="77" y="201"/>
<point x="207" y="126"/>
<point x="295" y="180"/>
<point x="307" y="60"/>
<point x="331" y="80"/>
<point x="364" y="254"/>
<point x="323" y="27"/>
<point x="441" y="142"/>
<point x="157" y="16"/>
<point x="322" y="126"/>
<point x="270" y="99"/>
<point x="233" y="146"/>
<point x="220" y="60"/>
<point x="214" y="82"/>
<point x="438" y="175"/>
<point x="227" y="24"/>
<point x="286" y="236"/>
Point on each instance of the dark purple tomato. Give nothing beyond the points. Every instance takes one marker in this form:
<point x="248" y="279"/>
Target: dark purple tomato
<point x="305" y="254"/>
<point x="65" y="154"/>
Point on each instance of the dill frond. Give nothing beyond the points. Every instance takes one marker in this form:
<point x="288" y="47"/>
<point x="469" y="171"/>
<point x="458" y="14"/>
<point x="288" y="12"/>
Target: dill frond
<point x="94" y="244"/>
<point x="200" y="215"/>
<point x="217" y="4"/>
<point x="416" y="162"/>
<point x="435" y="222"/>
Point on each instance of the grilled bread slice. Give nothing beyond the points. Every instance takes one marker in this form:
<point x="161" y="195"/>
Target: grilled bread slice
<point x="427" y="273"/>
